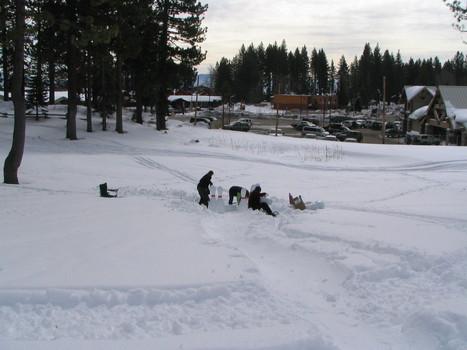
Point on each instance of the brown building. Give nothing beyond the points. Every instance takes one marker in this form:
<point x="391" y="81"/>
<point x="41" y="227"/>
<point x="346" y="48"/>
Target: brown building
<point x="303" y="102"/>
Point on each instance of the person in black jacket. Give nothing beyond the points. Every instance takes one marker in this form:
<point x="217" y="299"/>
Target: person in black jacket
<point x="255" y="203"/>
<point x="203" y="188"/>
<point x="236" y="192"/>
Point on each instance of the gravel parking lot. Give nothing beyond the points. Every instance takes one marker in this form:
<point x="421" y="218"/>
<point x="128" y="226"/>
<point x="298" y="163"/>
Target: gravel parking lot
<point x="267" y="124"/>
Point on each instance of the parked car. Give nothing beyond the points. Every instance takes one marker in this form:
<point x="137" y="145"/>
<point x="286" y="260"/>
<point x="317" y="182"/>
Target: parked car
<point x="315" y="130"/>
<point x="246" y="120"/>
<point x="238" y="126"/>
<point x="299" y="125"/>
<point x="349" y="134"/>
<point x="334" y="128"/>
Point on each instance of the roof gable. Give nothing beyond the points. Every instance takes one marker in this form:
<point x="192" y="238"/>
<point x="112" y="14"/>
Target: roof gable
<point x="455" y="101"/>
<point x="413" y="91"/>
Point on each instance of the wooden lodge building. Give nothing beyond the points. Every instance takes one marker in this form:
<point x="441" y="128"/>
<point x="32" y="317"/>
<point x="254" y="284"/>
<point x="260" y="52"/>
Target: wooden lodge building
<point x="440" y="111"/>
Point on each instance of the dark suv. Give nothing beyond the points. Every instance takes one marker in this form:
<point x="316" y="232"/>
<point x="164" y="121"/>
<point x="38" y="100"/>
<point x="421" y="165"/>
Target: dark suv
<point x="334" y="128"/>
<point x="349" y="134"/>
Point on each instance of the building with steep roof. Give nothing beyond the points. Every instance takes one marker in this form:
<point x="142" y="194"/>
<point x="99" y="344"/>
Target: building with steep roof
<point x="447" y="115"/>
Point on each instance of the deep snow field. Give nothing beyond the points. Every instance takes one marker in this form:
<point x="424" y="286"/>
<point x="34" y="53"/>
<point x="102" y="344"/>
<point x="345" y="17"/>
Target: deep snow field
<point x="382" y="266"/>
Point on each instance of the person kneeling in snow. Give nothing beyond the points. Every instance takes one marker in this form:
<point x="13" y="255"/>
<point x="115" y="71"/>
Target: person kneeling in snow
<point x="237" y="192"/>
<point x="256" y="201"/>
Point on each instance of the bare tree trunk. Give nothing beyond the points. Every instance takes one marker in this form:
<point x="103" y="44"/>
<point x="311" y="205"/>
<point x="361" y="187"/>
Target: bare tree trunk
<point x="88" y="94"/>
<point x="162" y="104"/>
<point x="72" y="93"/>
<point x="104" y="97"/>
<point x="139" y="98"/>
<point x="119" y="116"/>
<point x="14" y="158"/>
<point x="52" y="81"/>
<point x="72" y="57"/>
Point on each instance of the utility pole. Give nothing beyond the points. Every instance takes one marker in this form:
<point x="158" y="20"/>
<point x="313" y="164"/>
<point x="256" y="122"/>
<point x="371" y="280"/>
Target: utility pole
<point x="277" y="109"/>
<point x="196" y="105"/>
<point x="383" y="127"/>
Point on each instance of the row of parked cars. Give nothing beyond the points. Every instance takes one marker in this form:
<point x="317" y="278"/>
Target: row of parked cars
<point x="334" y="131"/>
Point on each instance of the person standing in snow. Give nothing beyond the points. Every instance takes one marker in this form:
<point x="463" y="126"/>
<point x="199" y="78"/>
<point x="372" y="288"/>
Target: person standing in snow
<point x="203" y="188"/>
<point x="237" y="192"/>
<point x="256" y="200"/>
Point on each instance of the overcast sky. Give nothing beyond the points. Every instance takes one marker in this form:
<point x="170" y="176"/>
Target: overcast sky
<point x="418" y="28"/>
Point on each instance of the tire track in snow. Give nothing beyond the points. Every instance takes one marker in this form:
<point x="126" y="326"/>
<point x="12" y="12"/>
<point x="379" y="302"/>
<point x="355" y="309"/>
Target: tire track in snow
<point x="439" y="220"/>
<point x="152" y="164"/>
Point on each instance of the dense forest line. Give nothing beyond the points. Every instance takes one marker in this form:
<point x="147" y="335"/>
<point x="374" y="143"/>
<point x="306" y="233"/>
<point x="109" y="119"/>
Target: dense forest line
<point x="108" y="50"/>
<point x="257" y="73"/>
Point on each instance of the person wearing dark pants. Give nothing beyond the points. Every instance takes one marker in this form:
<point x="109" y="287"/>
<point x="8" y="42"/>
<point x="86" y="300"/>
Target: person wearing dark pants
<point x="236" y="192"/>
<point x="203" y="188"/>
<point x="254" y="201"/>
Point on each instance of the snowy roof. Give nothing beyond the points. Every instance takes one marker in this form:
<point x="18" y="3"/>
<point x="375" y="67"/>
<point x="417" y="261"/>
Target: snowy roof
<point x="455" y="100"/>
<point x="192" y="98"/>
<point x="412" y="91"/>
<point x="419" y="113"/>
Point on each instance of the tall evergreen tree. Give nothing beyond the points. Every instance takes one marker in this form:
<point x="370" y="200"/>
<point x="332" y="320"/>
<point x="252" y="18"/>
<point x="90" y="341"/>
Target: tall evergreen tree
<point x="303" y="71"/>
<point x="437" y="68"/>
<point x="355" y="85"/>
<point x="223" y="79"/>
<point x="314" y="68"/>
<point x="181" y="32"/>
<point x="322" y="72"/>
<point x="459" y="68"/>
<point x="365" y="71"/>
<point x="343" y="86"/>
<point x="376" y="91"/>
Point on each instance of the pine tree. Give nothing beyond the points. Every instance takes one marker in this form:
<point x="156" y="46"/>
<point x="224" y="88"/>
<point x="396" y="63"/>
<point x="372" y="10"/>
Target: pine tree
<point x="223" y="79"/>
<point x="314" y="68"/>
<point x="181" y="32"/>
<point x="343" y="83"/>
<point x="459" y="68"/>
<point x="36" y="96"/>
<point x="376" y="91"/>
<point x="354" y="91"/>
<point x="322" y="72"/>
<point x="303" y="72"/>
<point x="387" y="70"/>
<point x="365" y="71"/>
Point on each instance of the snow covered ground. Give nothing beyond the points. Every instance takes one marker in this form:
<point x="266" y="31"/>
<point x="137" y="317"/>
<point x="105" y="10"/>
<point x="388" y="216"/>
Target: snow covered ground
<point x="382" y="266"/>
